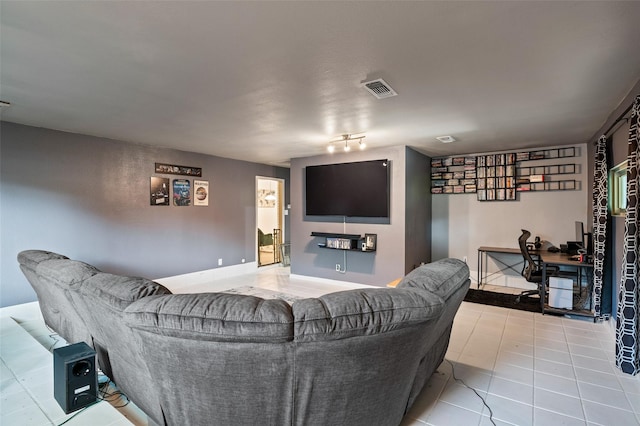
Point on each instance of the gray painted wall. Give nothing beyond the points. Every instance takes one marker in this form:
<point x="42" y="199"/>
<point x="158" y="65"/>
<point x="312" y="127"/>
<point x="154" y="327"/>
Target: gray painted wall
<point x="379" y="268"/>
<point x="461" y="223"/>
<point x="418" y="210"/>
<point x="88" y="198"/>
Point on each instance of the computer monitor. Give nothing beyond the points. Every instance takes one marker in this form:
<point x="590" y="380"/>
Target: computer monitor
<point x="580" y="234"/>
<point x="589" y="242"/>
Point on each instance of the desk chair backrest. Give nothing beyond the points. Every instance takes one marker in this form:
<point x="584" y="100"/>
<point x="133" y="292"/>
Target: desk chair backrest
<point x="530" y="266"/>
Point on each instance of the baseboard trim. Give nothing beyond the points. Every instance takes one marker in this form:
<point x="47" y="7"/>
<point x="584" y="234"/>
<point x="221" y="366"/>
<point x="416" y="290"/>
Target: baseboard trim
<point x="207" y="275"/>
<point x="348" y="284"/>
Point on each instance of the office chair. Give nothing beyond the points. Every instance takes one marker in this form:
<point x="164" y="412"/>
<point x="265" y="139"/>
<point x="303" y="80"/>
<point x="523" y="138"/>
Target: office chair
<point x="532" y="268"/>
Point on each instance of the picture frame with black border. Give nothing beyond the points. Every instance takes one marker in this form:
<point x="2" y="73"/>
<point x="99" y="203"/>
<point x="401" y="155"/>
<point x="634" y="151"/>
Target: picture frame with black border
<point x="159" y="191"/>
<point x="370" y="241"/>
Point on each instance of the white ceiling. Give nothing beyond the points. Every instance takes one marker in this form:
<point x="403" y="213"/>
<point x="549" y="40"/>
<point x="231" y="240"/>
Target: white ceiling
<point x="270" y="81"/>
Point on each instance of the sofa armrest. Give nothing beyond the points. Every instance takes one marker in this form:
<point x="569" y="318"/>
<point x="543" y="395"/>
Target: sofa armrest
<point x="443" y="277"/>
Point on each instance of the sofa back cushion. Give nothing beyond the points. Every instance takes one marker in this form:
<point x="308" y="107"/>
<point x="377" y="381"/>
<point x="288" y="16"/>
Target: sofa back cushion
<point x="213" y="317"/>
<point x="66" y="273"/>
<point x="353" y="344"/>
<point x="32" y="258"/>
<point x="29" y="261"/>
<point x="53" y="277"/>
<point x="102" y="300"/>
<point x="362" y="312"/>
<point x="118" y="292"/>
<point x="224" y="359"/>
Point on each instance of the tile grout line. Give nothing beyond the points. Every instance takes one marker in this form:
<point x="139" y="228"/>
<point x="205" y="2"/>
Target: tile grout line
<point x="24" y="388"/>
<point x="575" y="374"/>
<point x="493" y="368"/>
<point x="580" y="392"/>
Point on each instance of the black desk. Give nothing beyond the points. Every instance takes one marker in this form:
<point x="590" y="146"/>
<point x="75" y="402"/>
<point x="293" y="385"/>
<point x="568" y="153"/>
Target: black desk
<point x="580" y="272"/>
<point x="485" y="252"/>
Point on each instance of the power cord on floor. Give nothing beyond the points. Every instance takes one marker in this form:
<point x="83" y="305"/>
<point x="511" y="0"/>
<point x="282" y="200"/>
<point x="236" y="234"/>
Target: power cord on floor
<point x="453" y="374"/>
<point x="53" y="335"/>
<point x="81" y="411"/>
<point x="111" y="397"/>
<point x="55" y="341"/>
<point x="103" y="395"/>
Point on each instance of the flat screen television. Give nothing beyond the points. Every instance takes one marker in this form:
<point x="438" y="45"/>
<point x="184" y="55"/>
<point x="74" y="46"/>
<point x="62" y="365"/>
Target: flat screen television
<point x="359" y="189"/>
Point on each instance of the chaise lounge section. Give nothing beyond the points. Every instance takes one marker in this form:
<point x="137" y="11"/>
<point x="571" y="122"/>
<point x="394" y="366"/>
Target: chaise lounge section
<point x="356" y="357"/>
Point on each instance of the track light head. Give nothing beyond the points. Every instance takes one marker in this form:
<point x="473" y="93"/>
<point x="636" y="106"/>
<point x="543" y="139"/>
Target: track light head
<point x="346" y="138"/>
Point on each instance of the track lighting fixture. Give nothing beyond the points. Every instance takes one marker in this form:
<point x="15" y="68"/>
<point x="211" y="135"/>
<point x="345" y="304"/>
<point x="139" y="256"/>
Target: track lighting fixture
<point x="346" y="138"/>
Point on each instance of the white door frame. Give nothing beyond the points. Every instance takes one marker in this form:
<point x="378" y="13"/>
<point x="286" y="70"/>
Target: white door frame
<point x="280" y="193"/>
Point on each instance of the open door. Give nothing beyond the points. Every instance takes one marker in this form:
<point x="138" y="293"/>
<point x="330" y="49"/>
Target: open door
<point x="269" y="218"/>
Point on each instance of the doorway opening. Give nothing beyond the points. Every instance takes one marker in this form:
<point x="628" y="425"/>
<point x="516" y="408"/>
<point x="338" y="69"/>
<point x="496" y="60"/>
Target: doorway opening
<point x="269" y="219"/>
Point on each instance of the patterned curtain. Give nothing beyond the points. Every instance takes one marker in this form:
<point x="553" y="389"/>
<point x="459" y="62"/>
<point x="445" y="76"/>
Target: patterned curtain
<point x="627" y="327"/>
<point x="600" y="221"/>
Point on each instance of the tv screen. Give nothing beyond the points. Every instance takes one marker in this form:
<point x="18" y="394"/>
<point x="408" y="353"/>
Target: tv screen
<point x="359" y="189"/>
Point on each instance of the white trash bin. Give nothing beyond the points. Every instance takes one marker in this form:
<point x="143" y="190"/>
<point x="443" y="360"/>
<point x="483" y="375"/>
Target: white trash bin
<point x="561" y="293"/>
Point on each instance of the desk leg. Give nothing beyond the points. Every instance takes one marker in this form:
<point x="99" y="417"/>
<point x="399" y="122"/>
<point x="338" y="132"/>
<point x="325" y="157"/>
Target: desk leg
<point x="479" y="268"/>
<point x="543" y="286"/>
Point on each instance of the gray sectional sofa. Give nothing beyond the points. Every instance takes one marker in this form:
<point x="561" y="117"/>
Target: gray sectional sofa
<point x="357" y="357"/>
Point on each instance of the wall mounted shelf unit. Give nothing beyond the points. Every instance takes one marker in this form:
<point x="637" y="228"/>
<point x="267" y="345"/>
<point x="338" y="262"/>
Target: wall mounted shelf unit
<point x="453" y="175"/>
<point x="556" y="169"/>
<point x="546" y="154"/>
<point x="555" y="185"/>
<point x="525" y="172"/>
<point x="337" y="241"/>
<point x="498" y="177"/>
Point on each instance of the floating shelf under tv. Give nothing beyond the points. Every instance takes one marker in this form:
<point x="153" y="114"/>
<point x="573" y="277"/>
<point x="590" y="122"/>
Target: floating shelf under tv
<point x="354" y="244"/>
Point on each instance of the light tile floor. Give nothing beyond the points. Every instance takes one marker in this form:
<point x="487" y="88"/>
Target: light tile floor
<point x="26" y="376"/>
<point x="530" y="369"/>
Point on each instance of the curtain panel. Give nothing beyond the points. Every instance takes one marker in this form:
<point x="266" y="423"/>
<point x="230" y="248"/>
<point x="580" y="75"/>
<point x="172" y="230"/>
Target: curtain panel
<point x="600" y="222"/>
<point x="627" y="330"/>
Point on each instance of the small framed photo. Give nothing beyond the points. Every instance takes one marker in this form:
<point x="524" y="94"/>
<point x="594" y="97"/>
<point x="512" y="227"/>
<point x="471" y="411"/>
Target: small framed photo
<point x="370" y="241"/>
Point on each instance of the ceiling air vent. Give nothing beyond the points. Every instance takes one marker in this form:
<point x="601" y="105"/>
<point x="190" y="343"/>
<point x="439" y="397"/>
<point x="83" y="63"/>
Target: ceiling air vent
<point x="379" y="88"/>
<point x="446" y="139"/>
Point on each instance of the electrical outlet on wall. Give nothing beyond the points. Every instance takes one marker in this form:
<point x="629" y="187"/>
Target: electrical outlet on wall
<point x="219" y="262"/>
<point x="338" y="267"/>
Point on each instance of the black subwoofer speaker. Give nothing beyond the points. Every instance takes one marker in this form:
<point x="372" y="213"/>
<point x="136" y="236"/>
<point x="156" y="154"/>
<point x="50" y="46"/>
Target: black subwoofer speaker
<point x="75" y="381"/>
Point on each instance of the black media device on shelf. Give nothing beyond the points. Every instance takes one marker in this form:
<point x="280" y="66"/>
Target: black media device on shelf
<point x="359" y="189"/>
<point x="75" y="381"/>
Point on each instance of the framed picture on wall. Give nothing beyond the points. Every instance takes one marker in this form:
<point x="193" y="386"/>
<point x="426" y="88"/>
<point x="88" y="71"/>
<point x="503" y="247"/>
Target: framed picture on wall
<point x="181" y="192"/>
<point x="266" y="198"/>
<point x="370" y="241"/>
<point x="172" y="169"/>
<point x="159" y="191"/>
<point x="201" y="193"/>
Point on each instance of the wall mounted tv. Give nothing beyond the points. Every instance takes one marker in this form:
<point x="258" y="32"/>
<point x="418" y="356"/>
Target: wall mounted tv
<point x="359" y="189"/>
